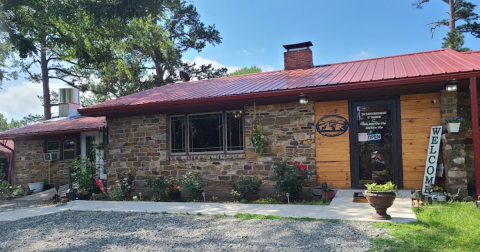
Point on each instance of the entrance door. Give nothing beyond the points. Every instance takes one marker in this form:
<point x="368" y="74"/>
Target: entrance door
<point x="92" y="154"/>
<point x="375" y="141"/>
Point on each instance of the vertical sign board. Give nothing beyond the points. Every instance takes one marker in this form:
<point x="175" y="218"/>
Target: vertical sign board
<point x="432" y="157"/>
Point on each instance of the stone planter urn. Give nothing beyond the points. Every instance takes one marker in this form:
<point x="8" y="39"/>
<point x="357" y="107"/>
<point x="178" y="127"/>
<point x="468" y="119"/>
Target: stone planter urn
<point x="453" y="127"/>
<point x="36" y="187"/>
<point x="380" y="201"/>
<point x="380" y="179"/>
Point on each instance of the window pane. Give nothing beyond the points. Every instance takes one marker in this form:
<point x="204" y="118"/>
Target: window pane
<point x="205" y="132"/>
<point x="68" y="155"/>
<point x="235" y="131"/>
<point x="68" y="149"/>
<point x="69" y="145"/>
<point x="177" y="126"/>
<point x="53" y="146"/>
<point x="90" y="140"/>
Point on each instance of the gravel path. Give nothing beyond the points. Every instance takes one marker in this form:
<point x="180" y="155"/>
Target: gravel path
<point x="120" y="231"/>
<point x="12" y="205"/>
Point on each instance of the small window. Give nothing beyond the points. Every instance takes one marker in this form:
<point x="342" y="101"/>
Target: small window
<point x="53" y="147"/>
<point x="234" y="130"/>
<point x="68" y="149"/>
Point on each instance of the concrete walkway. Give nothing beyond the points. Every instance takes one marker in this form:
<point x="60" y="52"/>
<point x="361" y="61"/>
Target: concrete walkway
<point x="341" y="208"/>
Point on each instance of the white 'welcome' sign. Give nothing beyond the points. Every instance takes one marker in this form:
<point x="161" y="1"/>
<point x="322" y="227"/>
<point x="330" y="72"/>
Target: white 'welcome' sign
<point x="432" y="157"/>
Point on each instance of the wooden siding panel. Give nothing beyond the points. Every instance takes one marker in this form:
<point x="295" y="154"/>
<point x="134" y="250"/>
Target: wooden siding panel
<point x="333" y="153"/>
<point x="418" y="115"/>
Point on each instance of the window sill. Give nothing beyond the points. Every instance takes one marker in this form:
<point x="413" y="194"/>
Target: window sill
<point x="219" y="156"/>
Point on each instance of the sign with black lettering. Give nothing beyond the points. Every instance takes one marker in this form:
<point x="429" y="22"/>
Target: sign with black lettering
<point x="432" y="157"/>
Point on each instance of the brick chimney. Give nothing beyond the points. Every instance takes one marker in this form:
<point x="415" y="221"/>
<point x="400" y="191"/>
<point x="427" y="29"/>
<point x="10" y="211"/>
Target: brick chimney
<point x="298" y="56"/>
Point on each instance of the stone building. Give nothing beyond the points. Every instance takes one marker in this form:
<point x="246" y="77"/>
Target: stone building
<point x="344" y="120"/>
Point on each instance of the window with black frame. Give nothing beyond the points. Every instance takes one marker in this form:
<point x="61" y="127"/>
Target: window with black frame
<point x="217" y="132"/>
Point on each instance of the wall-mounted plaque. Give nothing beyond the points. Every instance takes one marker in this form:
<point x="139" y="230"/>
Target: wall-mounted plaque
<point x="332" y="125"/>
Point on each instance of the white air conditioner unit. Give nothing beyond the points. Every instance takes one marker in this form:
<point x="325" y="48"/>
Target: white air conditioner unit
<point x="51" y="156"/>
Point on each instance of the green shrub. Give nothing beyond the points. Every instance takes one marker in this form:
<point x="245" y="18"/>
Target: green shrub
<point x="83" y="173"/>
<point x="115" y="194"/>
<point x="266" y="200"/>
<point x="19" y="191"/>
<point x="192" y="184"/>
<point x="246" y="188"/>
<point x="289" y="177"/>
<point x="156" y="187"/>
<point x="4" y="185"/>
<point x="126" y="184"/>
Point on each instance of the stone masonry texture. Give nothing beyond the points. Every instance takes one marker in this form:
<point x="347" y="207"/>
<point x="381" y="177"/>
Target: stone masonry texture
<point x="29" y="165"/>
<point x="140" y="145"/>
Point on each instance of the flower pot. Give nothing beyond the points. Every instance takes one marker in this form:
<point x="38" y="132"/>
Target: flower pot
<point x="174" y="196"/>
<point x="329" y="195"/>
<point x="453" y="127"/>
<point x="380" y="201"/>
<point x="380" y="179"/>
<point x="36" y="187"/>
<point x="438" y="196"/>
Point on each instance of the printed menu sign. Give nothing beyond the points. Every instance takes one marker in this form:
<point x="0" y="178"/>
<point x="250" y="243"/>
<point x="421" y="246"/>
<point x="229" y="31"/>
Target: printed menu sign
<point x="373" y="120"/>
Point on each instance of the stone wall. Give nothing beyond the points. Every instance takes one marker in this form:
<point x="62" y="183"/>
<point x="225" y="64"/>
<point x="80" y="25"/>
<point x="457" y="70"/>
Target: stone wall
<point x="139" y="145"/>
<point x="454" y="163"/>
<point x="29" y="165"/>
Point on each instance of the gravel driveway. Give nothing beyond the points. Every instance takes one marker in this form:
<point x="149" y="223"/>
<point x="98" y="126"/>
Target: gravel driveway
<point x="121" y="231"/>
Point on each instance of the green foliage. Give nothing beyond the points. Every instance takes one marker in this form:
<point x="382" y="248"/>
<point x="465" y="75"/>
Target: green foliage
<point x="246" y="187"/>
<point x="13" y="124"/>
<point x="115" y="194"/>
<point x="266" y="200"/>
<point x="83" y="173"/>
<point x="18" y="191"/>
<point x="156" y="187"/>
<point x="449" y="226"/>
<point x="387" y="187"/>
<point x="329" y="187"/>
<point x="192" y="184"/>
<point x="455" y="40"/>
<point x="258" y="139"/>
<point x="289" y="177"/>
<point x="382" y="172"/>
<point x="126" y="184"/>
<point x="246" y="70"/>
<point x="454" y="119"/>
<point x="4" y="185"/>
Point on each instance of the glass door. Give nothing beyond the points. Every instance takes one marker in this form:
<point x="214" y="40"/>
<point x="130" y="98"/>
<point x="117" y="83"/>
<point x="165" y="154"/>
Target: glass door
<point x="375" y="137"/>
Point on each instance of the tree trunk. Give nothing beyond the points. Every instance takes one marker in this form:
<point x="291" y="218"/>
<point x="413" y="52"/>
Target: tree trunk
<point x="451" y="24"/>
<point x="47" y="109"/>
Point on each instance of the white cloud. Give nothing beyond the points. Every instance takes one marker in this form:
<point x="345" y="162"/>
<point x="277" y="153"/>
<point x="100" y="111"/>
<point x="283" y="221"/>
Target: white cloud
<point x="361" y="55"/>
<point x="266" y="68"/>
<point x="246" y="53"/>
<point x="202" y="61"/>
<point x="17" y="101"/>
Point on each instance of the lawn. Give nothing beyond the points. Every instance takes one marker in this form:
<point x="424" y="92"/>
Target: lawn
<point x="440" y="227"/>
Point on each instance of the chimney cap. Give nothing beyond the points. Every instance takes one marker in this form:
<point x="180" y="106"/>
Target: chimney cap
<point x="298" y="45"/>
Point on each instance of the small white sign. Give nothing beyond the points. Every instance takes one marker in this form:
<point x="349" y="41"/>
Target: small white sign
<point x="432" y="157"/>
<point x="362" y="137"/>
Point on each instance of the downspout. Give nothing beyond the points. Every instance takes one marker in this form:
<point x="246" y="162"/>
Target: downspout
<point x="475" y="131"/>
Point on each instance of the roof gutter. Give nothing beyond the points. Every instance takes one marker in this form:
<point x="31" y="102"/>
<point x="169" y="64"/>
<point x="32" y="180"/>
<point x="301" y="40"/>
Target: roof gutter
<point x="15" y="136"/>
<point x="102" y="111"/>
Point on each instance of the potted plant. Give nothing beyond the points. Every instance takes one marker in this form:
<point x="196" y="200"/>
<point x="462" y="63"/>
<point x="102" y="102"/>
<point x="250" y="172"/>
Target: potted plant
<point x="328" y="192"/>
<point x="438" y="194"/>
<point x="380" y="177"/>
<point x="453" y="124"/>
<point x="35" y="186"/>
<point x="173" y="191"/>
<point x="381" y="197"/>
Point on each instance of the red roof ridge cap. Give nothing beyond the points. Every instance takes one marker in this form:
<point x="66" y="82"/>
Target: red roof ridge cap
<point x="386" y="57"/>
<point x="470" y="52"/>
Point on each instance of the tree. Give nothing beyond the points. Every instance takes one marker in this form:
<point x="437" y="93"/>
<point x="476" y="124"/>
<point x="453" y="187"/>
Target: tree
<point x="151" y="54"/>
<point x="13" y="124"/>
<point x="459" y="10"/>
<point x="455" y="40"/>
<point x="67" y="39"/>
<point x="246" y="70"/>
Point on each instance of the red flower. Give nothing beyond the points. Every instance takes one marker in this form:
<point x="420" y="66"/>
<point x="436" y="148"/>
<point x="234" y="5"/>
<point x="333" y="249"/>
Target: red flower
<point x="295" y="162"/>
<point x="298" y="175"/>
<point x="286" y="172"/>
<point x="302" y="167"/>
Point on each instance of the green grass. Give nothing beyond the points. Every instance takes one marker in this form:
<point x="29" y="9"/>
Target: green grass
<point x="441" y="227"/>
<point x="315" y="203"/>
<point x="219" y="216"/>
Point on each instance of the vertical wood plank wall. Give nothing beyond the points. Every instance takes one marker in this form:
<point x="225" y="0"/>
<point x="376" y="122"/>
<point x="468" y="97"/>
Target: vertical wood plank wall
<point x="333" y="153"/>
<point x="418" y="114"/>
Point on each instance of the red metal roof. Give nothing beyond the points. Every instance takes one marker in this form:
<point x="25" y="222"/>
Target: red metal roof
<point x="60" y="126"/>
<point x="429" y="63"/>
<point x="9" y="144"/>
<point x="473" y="54"/>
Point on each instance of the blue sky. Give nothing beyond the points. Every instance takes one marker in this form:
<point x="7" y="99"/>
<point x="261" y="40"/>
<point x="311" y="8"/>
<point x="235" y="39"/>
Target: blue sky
<point x="253" y="33"/>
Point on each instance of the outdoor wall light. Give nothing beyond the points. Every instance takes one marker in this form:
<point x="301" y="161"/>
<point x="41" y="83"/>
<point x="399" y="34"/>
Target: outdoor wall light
<point x="303" y="99"/>
<point x="451" y="86"/>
